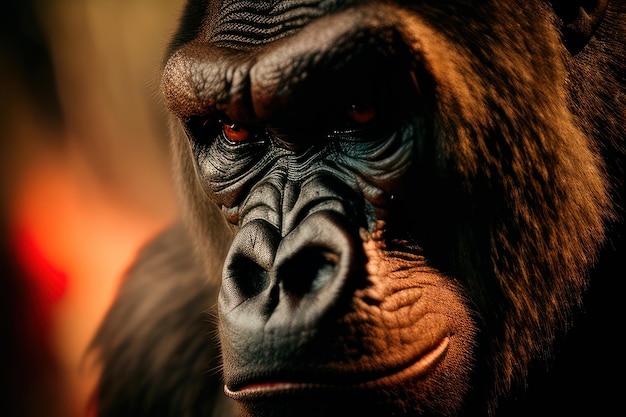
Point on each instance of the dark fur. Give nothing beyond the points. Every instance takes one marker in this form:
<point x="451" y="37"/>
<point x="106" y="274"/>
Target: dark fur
<point x="166" y="355"/>
<point x="529" y="151"/>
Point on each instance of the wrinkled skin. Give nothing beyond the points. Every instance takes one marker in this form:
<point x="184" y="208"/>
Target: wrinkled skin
<point x="399" y="206"/>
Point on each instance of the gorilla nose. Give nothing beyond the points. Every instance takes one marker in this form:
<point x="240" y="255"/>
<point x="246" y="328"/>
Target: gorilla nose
<point x="289" y="283"/>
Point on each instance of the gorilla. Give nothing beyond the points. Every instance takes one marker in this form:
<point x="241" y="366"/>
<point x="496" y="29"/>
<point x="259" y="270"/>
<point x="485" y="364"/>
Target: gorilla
<point x="389" y="208"/>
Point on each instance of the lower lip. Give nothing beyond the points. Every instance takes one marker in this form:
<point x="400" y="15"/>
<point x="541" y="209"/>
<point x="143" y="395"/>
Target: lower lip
<point x="423" y="365"/>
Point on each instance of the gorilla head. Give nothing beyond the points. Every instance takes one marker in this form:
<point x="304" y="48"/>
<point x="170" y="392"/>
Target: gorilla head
<point x="413" y="194"/>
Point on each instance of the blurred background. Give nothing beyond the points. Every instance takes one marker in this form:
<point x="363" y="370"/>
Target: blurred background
<point x="84" y="181"/>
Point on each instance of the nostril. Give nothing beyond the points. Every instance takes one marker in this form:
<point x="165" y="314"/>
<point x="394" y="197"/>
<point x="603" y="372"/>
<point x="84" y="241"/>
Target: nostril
<point x="276" y="285"/>
<point x="308" y="271"/>
<point x="255" y="280"/>
<point x="246" y="268"/>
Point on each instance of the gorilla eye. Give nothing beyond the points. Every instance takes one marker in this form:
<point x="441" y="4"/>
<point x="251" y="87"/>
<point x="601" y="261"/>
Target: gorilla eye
<point x="361" y="115"/>
<point x="235" y="132"/>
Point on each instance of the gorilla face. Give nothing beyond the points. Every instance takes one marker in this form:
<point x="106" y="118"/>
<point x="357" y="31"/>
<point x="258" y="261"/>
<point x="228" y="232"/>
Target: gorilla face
<point x="413" y="202"/>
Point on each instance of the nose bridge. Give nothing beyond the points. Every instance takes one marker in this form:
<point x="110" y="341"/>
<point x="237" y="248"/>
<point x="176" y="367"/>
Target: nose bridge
<point x="282" y="192"/>
<point x="290" y="196"/>
<point x="297" y="186"/>
<point x="312" y="188"/>
<point x="290" y="211"/>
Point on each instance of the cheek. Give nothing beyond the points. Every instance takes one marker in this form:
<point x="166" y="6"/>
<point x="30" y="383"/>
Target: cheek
<point x="418" y="318"/>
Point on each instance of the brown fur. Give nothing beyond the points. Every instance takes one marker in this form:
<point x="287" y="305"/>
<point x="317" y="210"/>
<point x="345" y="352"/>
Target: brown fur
<point x="522" y="175"/>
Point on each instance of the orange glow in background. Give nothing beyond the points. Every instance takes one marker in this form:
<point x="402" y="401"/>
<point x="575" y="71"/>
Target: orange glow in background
<point x="74" y="245"/>
<point x="84" y="194"/>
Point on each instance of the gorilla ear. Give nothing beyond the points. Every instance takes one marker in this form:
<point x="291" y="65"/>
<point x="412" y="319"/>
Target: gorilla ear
<point x="579" y="20"/>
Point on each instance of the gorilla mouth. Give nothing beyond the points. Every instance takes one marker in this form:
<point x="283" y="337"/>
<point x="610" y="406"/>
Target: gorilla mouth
<point x="273" y="384"/>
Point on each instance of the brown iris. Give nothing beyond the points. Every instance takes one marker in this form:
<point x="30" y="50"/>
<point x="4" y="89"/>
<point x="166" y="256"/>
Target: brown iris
<point x="235" y="132"/>
<point x="361" y="115"/>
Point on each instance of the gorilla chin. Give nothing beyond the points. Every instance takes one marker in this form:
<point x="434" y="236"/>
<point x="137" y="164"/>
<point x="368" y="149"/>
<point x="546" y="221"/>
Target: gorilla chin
<point x="336" y="392"/>
<point x="389" y="208"/>
<point x="337" y="395"/>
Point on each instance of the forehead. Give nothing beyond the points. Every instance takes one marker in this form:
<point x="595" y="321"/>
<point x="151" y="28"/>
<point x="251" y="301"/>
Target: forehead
<point x="242" y="24"/>
<point x="239" y="23"/>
